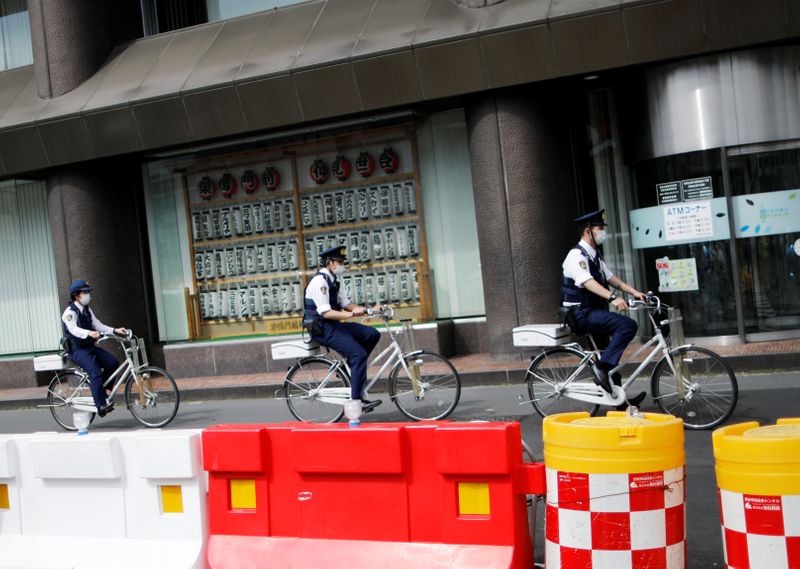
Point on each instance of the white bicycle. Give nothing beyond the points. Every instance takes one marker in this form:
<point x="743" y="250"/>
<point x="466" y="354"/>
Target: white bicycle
<point x="151" y="394"/>
<point x="688" y="381"/>
<point x="424" y="385"/>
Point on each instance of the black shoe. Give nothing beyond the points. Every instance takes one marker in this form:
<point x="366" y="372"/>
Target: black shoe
<point x="616" y="378"/>
<point x="105" y="409"/>
<point x="367" y="406"/>
<point x="601" y="378"/>
<point x="633" y="402"/>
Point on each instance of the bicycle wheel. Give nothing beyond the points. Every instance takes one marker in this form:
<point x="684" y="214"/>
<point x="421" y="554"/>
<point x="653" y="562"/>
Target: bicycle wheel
<point x="156" y="403"/>
<point x="439" y="386"/>
<point x="710" y="388"/>
<point x="302" y="386"/>
<point x="63" y="389"/>
<point x="547" y="381"/>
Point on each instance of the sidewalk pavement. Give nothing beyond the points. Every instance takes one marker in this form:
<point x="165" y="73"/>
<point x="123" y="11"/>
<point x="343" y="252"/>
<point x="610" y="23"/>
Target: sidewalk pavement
<point x="475" y="369"/>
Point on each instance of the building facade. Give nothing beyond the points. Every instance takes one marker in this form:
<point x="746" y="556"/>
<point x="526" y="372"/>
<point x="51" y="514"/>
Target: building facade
<point x="191" y="159"/>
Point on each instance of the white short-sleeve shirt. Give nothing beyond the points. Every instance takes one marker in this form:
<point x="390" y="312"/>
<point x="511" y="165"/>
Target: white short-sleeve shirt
<point x="576" y="266"/>
<point x="71" y="322"/>
<point x="317" y="290"/>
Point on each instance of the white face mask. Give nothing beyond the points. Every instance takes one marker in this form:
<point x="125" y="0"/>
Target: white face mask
<point x="338" y="269"/>
<point x="600" y="237"/>
<point x="85" y="299"/>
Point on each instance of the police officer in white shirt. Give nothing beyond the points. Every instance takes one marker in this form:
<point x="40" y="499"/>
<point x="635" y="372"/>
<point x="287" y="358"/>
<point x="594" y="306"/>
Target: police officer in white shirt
<point x="82" y="328"/>
<point x="326" y="309"/>
<point x="585" y="286"/>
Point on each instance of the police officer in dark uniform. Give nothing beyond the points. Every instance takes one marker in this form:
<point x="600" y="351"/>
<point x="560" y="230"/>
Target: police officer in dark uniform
<point x="585" y="287"/>
<point x="82" y="329"/>
<point x="327" y="308"/>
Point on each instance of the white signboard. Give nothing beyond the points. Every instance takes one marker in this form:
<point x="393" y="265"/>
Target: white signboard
<point x="676" y="275"/>
<point x="688" y="221"/>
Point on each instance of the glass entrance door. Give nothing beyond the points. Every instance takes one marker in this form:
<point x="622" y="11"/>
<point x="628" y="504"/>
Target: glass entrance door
<point x="766" y="210"/>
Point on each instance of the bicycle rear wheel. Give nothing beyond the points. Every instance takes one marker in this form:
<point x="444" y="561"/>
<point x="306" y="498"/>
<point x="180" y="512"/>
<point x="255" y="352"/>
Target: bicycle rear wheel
<point x="156" y="403"/>
<point x="547" y="381"/>
<point x="63" y="389"/>
<point x="439" y="386"/>
<point x="302" y="389"/>
<point x="710" y="390"/>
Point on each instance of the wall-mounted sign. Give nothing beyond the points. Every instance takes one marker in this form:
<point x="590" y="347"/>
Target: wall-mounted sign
<point x="697" y="189"/>
<point x="669" y="193"/>
<point x="676" y="275"/>
<point x="685" y="190"/>
<point x="688" y="221"/>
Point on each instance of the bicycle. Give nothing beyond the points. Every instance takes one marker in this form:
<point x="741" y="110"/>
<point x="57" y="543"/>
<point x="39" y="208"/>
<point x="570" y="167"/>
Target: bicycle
<point x="688" y="381"/>
<point x="151" y="394"/>
<point x="423" y="385"/>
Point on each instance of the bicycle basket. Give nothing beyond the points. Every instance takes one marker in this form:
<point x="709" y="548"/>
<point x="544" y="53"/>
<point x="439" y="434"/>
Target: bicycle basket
<point x="675" y="326"/>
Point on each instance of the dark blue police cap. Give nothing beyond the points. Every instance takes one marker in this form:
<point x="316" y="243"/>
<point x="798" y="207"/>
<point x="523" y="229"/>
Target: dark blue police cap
<point x="594" y="218"/>
<point x="336" y="253"/>
<point x="79" y="285"/>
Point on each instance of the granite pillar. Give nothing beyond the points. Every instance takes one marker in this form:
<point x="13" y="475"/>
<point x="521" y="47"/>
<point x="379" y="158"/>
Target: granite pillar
<point x="525" y="199"/>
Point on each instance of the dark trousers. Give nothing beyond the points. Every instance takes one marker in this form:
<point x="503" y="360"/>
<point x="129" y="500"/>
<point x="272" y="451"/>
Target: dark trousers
<point x="355" y="342"/>
<point x="99" y="364"/>
<point x="602" y="324"/>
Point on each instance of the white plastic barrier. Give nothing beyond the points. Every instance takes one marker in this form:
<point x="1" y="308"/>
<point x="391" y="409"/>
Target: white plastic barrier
<point x="129" y="499"/>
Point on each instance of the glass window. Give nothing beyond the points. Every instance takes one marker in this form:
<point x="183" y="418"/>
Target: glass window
<point x="224" y="9"/>
<point x="450" y="224"/>
<point x="166" y="222"/>
<point x="15" y="29"/>
<point x="29" y="306"/>
<point x="681" y="229"/>
<point x="766" y="209"/>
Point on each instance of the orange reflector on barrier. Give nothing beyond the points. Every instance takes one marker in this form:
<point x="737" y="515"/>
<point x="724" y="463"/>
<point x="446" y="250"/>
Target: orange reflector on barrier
<point x="4" y="497"/>
<point x="171" y="500"/>
<point x="243" y="494"/>
<point x="473" y="498"/>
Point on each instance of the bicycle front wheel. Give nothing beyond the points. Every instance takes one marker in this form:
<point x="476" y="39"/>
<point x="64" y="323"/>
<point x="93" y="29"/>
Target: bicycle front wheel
<point x="61" y="393"/>
<point x="710" y="390"/>
<point x="305" y="387"/>
<point x="438" y="386"/>
<point x="154" y="403"/>
<point x="550" y="376"/>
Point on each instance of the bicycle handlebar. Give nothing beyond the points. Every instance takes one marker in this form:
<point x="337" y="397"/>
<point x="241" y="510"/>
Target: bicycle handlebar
<point x="384" y="311"/>
<point x="128" y="336"/>
<point x="650" y="302"/>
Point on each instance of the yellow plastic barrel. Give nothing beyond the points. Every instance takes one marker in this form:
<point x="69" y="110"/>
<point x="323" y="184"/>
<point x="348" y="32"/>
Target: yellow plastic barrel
<point x="615" y="491"/>
<point x="616" y="443"/>
<point x="758" y="475"/>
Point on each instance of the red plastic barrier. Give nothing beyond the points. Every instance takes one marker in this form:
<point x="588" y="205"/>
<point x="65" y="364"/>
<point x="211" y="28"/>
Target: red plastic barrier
<point x="436" y="494"/>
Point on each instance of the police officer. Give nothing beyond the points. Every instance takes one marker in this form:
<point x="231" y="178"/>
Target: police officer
<point x="585" y="287"/>
<point x="327" y="305"/>
<point x="82" y="328"/>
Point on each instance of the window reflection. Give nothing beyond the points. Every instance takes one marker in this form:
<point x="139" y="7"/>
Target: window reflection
<point x="766" y="190"/>
<point x="710" y="310"/>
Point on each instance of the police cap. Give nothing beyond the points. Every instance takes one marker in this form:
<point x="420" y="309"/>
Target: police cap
<point x="594" y="218"/>
<point x="335" y="253"/>
<point x="79" y="285"/>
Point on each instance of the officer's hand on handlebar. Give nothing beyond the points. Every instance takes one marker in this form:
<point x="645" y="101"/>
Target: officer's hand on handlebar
<point x="122" y="331"/>
<point x="619" y="303"/>
<point x="94" y="334"/>
<point x="359" y="311"/>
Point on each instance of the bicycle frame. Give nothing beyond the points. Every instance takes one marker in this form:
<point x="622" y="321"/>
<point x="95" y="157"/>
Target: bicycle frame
<point x="130" y="366"/>
<point x="393" y="353"/>
<point x="595" y="394"/>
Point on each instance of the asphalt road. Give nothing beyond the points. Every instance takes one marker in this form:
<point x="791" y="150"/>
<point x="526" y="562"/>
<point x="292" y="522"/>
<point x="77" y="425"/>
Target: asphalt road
<point x="763" y="398"/>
